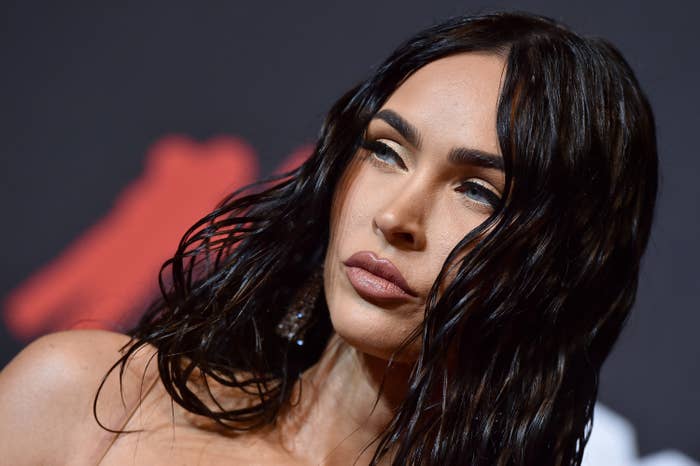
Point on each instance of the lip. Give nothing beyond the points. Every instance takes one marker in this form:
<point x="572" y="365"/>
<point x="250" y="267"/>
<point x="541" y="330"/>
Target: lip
<point x="376" y="278"/>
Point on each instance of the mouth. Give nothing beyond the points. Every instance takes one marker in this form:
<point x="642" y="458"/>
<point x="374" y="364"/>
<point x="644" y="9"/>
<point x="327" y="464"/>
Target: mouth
<point x="376" y="279"/>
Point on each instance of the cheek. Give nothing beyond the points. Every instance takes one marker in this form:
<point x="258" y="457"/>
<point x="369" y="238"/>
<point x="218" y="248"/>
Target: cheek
<point x="451" y="223"/>
<point x="358" y="198"/>
<point x="456" y="223"/>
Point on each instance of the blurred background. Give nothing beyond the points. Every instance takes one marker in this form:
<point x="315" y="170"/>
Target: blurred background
<point x="121" y="124"/>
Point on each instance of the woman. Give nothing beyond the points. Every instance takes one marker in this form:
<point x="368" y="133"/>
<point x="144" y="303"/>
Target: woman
<point x="439" y="283"/>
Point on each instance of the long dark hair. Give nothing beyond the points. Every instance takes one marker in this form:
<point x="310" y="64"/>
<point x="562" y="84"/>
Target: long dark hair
<point x="541" y="293"/>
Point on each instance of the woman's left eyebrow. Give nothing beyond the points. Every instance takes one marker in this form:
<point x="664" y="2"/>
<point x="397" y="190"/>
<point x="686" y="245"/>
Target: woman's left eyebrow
<point x="457" y="155"/>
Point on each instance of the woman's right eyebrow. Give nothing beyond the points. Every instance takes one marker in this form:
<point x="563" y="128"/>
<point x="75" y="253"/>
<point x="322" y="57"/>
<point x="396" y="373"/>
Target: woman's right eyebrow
<point x="405" y="129"/>
<point x="458" y="155"/>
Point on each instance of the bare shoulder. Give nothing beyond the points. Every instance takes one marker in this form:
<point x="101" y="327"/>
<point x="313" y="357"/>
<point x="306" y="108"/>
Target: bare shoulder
<point x="47" y="393"/>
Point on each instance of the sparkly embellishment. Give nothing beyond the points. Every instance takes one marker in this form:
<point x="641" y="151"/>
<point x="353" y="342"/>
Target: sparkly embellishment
<point x="293" y="325"/>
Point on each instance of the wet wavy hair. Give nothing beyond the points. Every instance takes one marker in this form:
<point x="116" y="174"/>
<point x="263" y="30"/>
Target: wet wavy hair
<point x="539" y="298"/>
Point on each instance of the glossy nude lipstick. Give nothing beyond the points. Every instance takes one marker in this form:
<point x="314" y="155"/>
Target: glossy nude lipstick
<point x="376" y="279"/>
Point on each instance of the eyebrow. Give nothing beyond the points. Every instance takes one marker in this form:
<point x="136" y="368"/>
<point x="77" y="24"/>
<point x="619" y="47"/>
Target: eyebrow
<point x="457" y="155"/>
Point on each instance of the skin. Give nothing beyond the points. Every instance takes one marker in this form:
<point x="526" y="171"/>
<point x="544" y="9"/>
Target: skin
<point x="411" y="210"/>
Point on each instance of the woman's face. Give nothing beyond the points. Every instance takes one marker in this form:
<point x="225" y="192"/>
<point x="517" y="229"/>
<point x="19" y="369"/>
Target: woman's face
<point x="428" y="173"/>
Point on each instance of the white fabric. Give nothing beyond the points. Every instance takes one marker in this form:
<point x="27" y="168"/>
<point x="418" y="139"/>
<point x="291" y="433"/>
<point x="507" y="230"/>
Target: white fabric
<point x="614" y="443"/>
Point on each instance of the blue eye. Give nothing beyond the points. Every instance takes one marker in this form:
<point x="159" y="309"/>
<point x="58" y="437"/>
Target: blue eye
<point x="480" y="194"/>
<point x="382" y="152"/>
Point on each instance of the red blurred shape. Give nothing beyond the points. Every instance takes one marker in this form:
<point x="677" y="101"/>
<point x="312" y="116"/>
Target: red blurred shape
<point x="110" y="271"/>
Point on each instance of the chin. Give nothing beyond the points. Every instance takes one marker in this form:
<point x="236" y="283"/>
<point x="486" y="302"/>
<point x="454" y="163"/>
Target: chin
<point x="373" y="332"/>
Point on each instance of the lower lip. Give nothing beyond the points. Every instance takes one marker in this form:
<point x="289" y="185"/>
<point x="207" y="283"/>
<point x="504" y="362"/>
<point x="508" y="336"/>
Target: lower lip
<point x="370" y="286"/>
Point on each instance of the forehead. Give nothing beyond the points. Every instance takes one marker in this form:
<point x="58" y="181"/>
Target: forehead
<point x="454" y="99"/>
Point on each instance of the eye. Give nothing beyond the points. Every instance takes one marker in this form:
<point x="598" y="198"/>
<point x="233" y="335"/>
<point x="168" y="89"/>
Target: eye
<point x="477" y="192"/>
<point x="380" y="151"/>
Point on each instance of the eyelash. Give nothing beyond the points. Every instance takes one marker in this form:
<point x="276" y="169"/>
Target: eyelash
<point x="376" y="148"/>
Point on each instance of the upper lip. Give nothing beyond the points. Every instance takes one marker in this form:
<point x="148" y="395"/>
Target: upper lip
<point x="380" y="267"/>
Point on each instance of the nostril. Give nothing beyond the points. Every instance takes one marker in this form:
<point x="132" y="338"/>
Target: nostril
<point x="408" y="237"/>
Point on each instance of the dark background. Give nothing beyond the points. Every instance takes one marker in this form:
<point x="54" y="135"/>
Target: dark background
<point x="85" y="89"/>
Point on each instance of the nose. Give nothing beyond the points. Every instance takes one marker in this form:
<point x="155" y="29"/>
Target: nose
<point x="401" y="220"/>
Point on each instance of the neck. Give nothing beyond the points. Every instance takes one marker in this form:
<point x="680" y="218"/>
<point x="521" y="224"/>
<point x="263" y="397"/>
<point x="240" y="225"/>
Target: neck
<point x="340" y="409"/>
